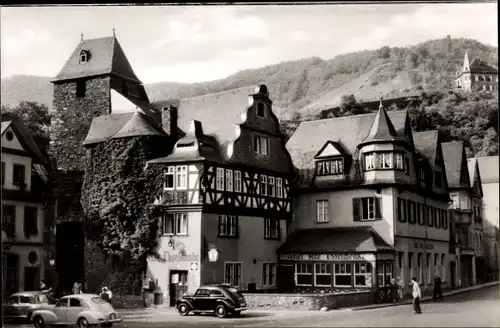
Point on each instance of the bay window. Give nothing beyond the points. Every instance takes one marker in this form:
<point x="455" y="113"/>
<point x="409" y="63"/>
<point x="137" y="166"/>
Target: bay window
<point x="181" y="177"/>
<point x="362" y="275"/>
<point x="370" y="161"/>
<point x="343" y="275"/>
<point x="323" y="274"/>
<point x="385" y="160"/>
<point x="384" y="273"/>
<point x="303" y="274"/>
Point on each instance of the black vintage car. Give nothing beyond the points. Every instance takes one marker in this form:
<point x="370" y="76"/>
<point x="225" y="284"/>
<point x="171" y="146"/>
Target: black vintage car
<point x="222" y="300"/>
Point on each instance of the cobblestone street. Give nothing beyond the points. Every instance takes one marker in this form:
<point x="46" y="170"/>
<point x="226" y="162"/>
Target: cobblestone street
<point x="474" y="309"/>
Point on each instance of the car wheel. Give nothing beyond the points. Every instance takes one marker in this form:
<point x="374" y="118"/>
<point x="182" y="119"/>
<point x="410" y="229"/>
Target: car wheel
<point x="236" y="313"/>
<point x="220" y="311"/>
<point x="183" y="309"/>
<point x="38" y="321"/>
<point x="83" y="323"/>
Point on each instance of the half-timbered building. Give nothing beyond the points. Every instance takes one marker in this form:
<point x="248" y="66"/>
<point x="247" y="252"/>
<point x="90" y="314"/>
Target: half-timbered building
<point x="370" y="205"/>
<point x="226" y="189"/>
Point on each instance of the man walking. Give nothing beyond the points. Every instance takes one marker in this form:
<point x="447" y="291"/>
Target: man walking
<point x="416" y="296"/>
<point x="437" y="293"/>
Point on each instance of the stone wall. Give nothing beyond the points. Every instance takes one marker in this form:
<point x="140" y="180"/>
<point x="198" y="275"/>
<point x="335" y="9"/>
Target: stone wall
<point x="132" y="301"/>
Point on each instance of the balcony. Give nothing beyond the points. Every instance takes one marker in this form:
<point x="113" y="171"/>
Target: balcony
<point x="462" y="216"/>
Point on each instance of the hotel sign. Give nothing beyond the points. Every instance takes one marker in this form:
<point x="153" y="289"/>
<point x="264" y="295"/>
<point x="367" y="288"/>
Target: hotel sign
<point x="328" y="257"/>
<point x="423" y="245"/>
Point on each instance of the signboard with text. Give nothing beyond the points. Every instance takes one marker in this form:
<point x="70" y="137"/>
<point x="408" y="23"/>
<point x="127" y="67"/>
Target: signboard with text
<point x="329" y="257"/>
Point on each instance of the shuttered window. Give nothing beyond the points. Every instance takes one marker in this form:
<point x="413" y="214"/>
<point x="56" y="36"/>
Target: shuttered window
<point x="366" y="209"/>
<point x="402" y="209"/>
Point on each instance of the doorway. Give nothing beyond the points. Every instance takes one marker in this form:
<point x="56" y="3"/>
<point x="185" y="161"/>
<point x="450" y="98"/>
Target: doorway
<point x="31" y="278"/>
<point x="177" y="285"/>
<point x="286" y="278"/>
<point x="452" y="274"/>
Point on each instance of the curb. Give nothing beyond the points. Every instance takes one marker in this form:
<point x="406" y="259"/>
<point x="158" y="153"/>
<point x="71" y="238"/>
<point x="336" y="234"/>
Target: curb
<point x="423" y="299"/>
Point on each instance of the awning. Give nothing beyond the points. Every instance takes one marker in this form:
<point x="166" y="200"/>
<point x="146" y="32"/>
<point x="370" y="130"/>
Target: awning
<point x="335" y="240"/>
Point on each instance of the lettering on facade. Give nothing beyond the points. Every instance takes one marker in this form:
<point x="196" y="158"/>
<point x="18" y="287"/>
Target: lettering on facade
<point x="422" y="245"/>
<point x="191" y="257"/>
<point x="327" y="257"/>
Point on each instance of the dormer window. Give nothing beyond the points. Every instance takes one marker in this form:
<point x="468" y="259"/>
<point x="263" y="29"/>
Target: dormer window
<point x="330" y="167"/>
<point x="261" y="110"/>
<point x="84" y="56"/>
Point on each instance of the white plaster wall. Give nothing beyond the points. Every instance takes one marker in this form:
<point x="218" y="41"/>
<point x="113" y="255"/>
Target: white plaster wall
<point x="10" y="160"/>
<point x="20" y="236"/>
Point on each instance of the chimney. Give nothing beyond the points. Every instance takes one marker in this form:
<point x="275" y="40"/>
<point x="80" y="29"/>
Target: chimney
<point x="169" y="120"/>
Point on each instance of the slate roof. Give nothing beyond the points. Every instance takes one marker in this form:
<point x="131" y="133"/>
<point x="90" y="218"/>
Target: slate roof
<point x="106" y="57"/>
<point x="382" y="128"/>
<point x="488" y="166"/>
<point x="335" y="240"/>
<point x="120" y="125"/>
<point x="349" y="131"/>
<point x="426" y="142"/>
<point x="454" y="157"/>
<point x="479" y="66"/>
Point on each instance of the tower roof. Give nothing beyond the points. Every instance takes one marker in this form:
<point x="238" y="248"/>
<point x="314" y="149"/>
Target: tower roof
<point x="103" y="56"/>
<point x="138" y="125"/>
<point x="382" y="128"/>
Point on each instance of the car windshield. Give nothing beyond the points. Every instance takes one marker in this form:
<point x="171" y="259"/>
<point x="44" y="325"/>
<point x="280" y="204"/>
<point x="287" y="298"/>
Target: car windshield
<point x="98" y="300"/>
<point x="13" y="300"/>
<point x="42" y="299"/>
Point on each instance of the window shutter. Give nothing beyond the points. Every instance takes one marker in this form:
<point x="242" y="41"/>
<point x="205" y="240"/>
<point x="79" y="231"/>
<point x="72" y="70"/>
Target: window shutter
<point x="378" y="208"/>
<point x="408" y="211"/>
<point x="401" y="213"/>
<point x="355" y="209"/>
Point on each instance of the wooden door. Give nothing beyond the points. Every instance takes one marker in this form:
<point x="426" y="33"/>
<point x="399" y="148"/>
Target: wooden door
<point x="286" y="278"/>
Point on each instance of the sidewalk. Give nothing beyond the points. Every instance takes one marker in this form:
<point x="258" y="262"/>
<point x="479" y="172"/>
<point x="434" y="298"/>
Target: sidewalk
<point x="423" y="299"/>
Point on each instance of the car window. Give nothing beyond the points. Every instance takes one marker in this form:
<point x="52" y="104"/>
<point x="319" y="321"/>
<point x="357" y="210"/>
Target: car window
<point x="74" y="302"/>
<point x="42" y="299"/>
<point x="98" y="300"/>
<point x="62" y="302"/>
<point x="25" y="299"/>
<point x="216" y="292"/>
<point x="202" y="292"/>
<point x="13" y="300"/>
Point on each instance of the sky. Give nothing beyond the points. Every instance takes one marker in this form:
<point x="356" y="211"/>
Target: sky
<point x="203" y="43"/>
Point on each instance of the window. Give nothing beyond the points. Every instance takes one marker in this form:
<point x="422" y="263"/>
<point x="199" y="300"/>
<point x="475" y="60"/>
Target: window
<point x="81" y="86"/>
<point x="322" y="211"/>
<point x="18" y="175"/>
<point x="438" y="179"/>
<point x="73" y="302"/>
<point x="220" y="179"/>
<point x="237" y="181"/>
<point x="83" y="57"/>
<point x="202" y="292"/>
<point x="420" y="215"/>
<point x="362" y="275"/>
<point x="443" y="267"/>
<point x="430" y="216"/>
<point x="304" y="274"/>
<point x="181" y="179"/>
<point x="9" y="220"/>
<point x="175" y="224"/>
<point x="384" y="160"/>
<point x="216" y="293"/>
<point x="30" y="221"/>
<point x="454" y="199"/>
<point x="437" y="216"/>
<point x="260" y="145"/>
<point x="343" y="275"/>
<point x="233" y="273"/>
<point x="169" y="178"/>
<point x="465" y="203"/>
<point x="330" y="167"/>
<point x="229" y="180"/>
<point x="228" y="226"/>
<point x="260" y="110"/>
<point x="410" y="207"/>
<point x="3" y="173"/>
<point x="263" y="185"/>
<point x="384" y="273"/>
<point x="435" y="259"/>
<point x="370" y="161"/>
<point x="410" y="259"/>
<point x="399" y="161"/>
<point x="323" y="274"/>
<point x="271" y="187"/>
<point x="279" y="187"/>
<point x="407" y="165"/>
<point x="271" y="228"/>
<point x="366" y="209"/>
<point x="402" y="209"/>
<point x="268" y="274"/>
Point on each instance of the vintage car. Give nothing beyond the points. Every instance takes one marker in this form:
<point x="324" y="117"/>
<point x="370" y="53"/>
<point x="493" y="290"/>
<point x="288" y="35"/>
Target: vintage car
<point x="83" y="309"/>
<point x="219" y="299"/>
<point x="19" y="306"/>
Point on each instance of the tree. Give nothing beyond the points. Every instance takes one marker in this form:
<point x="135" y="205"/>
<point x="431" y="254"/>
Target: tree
<point x="35" y="116"/>
<point x="350" y="106"/>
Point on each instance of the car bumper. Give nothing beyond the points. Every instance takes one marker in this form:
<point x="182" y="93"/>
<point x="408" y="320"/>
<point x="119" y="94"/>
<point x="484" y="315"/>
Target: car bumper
<point x="243" y="308"/>
<point x="111" y="320"/>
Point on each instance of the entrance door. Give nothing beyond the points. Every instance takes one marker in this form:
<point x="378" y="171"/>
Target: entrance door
<point x="11" y="273"/>
<point x="286" y="278"/>
<point x="178" y="285"/>
<point x="452" y="274"/>
<point x="31" y="278"/>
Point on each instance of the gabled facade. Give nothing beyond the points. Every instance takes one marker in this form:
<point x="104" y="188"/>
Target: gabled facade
<point x="26" y="174"/>
<point x="477" y="76"/>
<point x="227" y="187"/>
<point x="386" y="193"/>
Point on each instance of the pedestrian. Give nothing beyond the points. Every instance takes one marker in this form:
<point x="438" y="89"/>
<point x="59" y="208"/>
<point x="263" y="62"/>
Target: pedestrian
<point x="106" y="294"/>
<point x="437" y="293"/>
<point x="399" y="282"/>
<point x="416" y="296"/>
<point x="77" y="288"/>
<point x="394" y="290"/>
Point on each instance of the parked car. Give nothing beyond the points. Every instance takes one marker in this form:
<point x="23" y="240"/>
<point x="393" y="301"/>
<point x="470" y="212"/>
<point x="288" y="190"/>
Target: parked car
<point x="219" y="299"/>
<point x="19" y="306"/>
<point x="83" y="309"/>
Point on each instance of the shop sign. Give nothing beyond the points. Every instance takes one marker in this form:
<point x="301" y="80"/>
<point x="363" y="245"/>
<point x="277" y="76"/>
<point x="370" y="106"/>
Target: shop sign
<point x="423" y="245"/>
<point x="191" y="257"/>
<point x="328" y="257"/>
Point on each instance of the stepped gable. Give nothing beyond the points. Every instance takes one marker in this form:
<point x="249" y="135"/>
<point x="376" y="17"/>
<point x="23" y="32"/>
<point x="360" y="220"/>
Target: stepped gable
<point x="454" y="163"/>
<point x="138" y="125"/>
<point x="105" y="56"/>
<point x="382" y="129"/>
<point x="479" y="66"/>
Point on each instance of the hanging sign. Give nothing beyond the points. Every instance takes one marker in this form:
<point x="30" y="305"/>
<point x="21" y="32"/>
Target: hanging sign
<point x="213" y="255"/>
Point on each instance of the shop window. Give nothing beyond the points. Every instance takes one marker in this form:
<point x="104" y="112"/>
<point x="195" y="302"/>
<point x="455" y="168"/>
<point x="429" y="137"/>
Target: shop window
<point x="175" y="224"/>
<point x="304" y="274"/>
<point x="169" y="178"/>
<point x="384" y="274"/>
<point x="268" y="274"/>
<point x="271" y="229"/>
<point x="323" y="274"/>
<point x="228" y="226"/>
<point x="362" y="275"/>
<point x="232" y="273"/>
<point x="30" y="221"/>
<point x="343" y="275"/>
